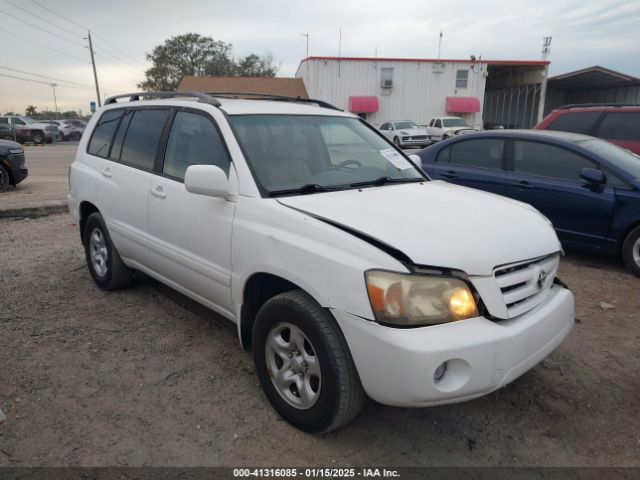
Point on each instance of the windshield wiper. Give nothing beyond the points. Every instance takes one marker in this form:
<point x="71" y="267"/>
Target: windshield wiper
<point x="385" y="180"/>
<point x="303" y="190"/>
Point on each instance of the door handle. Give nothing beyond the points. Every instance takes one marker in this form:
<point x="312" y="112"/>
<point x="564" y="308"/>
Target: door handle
<point x="524" y="185"/>
<point x="106" y="172"/>
<point x="450" y="174"/>
<point x="158" y="192"/>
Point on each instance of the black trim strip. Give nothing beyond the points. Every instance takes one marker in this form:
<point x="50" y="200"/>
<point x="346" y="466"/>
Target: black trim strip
<point x="392" y="251"/>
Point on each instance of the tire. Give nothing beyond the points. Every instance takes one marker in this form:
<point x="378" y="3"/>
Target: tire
<point x="4" y="178"/>
<point x="38" y="137"/>
<point x="444" y="137"/>
<point x="334" y="393"/>
<point x="396" y="142"/>
<point x="631" y="251"/>
<point x="105" y="265"/>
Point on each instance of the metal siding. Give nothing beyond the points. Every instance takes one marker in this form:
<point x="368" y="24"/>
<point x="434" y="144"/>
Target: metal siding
<point x="418" y="94"/>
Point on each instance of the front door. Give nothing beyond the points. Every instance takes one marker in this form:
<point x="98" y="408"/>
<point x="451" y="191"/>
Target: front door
<point x="190" y="235"/>
<point x="548" y="177"/>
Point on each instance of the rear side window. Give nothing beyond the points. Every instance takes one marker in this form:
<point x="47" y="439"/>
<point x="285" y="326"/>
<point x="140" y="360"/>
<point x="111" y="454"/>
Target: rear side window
<point x="548" y="161"/>
<point x="575" y="122"/>
<point x="103" y="133"/>
<point x="485" y="153"/>
<point x="4" y="120"/>
<point x="142" y="138"/>
<point x="620" y="126"/>
<point x="193" y="140"/>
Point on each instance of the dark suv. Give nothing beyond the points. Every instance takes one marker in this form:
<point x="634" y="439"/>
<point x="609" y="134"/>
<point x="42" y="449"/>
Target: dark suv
<point x="619" y="124"/>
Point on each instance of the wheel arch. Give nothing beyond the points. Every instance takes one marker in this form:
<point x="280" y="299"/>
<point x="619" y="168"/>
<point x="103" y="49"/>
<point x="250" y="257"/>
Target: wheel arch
<point x="86" y="208"/>
<point x="625" y="233"/>
<point x="258" y="289"/>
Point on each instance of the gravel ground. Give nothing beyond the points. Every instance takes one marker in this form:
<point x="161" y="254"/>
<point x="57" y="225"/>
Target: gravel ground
<point x="145" y="377"/>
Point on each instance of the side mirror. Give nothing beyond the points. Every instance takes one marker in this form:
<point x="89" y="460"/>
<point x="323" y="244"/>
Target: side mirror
<point x="207" y="180"/>
<point x="592" y="176"/>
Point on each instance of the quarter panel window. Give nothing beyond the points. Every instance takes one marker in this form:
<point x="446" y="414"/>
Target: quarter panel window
<point x="620" y="126"/>
<point x="485" y="153"/>
<point x="193" y="140"/>
<point x="142" y="138"/>
<point x="103" y="132"/>
<point x="548" y="161"/>
<point x="116" y="148"/>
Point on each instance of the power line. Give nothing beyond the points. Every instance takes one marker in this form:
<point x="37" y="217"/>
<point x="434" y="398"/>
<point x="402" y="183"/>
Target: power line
<point x="38" y="81"/>
<point x="44" y="76"/>
<point x="41" y="29"/>
<point x="4" y="30"/>
<point x="41" y="18"/>
<point x="84" y="27"/>
<point x="113" y="57"/>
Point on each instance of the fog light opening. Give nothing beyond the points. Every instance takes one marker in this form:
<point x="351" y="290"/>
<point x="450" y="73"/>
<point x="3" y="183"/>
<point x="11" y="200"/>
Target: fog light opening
<point x="440" y="371"/>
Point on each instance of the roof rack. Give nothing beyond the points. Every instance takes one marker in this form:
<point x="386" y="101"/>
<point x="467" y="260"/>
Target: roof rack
<point x="269" y="96"/>
<point x="202" y="97"/>
<point x="587" y="105"/>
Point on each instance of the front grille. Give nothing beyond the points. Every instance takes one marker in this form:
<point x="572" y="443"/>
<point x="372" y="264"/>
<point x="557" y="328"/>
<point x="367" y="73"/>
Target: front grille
<point x="419" y="137"/>
<point x="525" y="284"/>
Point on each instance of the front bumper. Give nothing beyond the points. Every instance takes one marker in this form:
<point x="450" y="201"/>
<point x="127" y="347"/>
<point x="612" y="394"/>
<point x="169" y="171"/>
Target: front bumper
<point x="397" y="366"/>
<point x="18" y="168"/>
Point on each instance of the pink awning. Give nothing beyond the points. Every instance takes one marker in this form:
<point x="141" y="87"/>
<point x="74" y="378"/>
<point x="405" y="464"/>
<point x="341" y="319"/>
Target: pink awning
<point x="462" y="105"/>
<point x="363" y="104"/>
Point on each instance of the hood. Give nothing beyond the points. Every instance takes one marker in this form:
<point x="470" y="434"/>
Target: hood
<point x="414" y="131"/>
<point x="458" y="129"/>
<point x="9" y="144"/>
<point x="438" y="224"/>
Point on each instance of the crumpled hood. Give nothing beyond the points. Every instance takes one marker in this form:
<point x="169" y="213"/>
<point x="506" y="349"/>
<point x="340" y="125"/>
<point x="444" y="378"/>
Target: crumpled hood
<point x="458" y="129"/>
<point x="438" y="224"/>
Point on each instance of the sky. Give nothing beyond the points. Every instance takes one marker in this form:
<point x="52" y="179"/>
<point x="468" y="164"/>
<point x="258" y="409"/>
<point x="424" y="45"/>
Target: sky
<point x="34" y="40"/>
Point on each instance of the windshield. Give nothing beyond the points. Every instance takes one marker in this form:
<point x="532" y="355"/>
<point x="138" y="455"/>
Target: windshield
<point x="289" y="152"/>
<point x="623" y="159"/>
<point x="454" y="122"/>
<point x="401" y="125"/>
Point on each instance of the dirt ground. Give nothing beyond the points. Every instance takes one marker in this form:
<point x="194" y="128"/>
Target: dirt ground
<point x="145" y="377"/>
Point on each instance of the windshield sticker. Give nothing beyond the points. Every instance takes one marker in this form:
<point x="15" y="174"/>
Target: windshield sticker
<point x="396" y="159"/>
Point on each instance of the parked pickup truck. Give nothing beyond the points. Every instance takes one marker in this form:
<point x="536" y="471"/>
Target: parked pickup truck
<point x="441" y="128"/>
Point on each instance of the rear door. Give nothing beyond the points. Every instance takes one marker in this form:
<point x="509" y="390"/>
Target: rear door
<point x="548" y="177"/>
<point x="476" y="163"/>
<point x="621" y="128"/>
<point x="123" y="183"/>
<point x="190" y="235"/>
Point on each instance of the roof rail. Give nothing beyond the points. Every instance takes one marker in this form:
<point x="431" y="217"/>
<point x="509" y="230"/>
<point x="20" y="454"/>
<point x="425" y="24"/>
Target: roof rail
<point x="202" y="97"/>
<point x="269" y="96"/>
<point x="605" y="104"/>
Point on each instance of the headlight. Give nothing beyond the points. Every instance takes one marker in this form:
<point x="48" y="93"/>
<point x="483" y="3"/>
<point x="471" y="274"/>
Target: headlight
<point x="16" y="150"/>
<point x="410" y="300"/>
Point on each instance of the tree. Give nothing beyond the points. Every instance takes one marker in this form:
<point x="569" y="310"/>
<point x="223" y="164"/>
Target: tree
<point x="30" y="110"/>
<point x="197" y="55"/>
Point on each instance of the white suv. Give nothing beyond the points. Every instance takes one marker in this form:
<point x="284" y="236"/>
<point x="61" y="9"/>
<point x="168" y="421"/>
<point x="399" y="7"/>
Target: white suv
<point x="348" y="272"/>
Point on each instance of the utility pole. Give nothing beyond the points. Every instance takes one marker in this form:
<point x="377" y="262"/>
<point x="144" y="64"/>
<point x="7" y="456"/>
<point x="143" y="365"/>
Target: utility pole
<point x="306" y="35"/>
<point x="55" y="101"/>
<point x="95" y="74"/>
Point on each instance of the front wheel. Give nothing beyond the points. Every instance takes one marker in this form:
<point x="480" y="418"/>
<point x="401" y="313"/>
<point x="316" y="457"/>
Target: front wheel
<point x="38" y="137"/>
<point x="105" y="265"/>
<point x="396" y="142"/>
<point x="631" y="251"/>
<point x="4" y="178"/>
<point x="304" y="364"/>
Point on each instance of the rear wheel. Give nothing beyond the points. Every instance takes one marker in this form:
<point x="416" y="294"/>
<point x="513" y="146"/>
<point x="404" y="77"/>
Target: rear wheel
<point x="105" y="265"/>
<point x="304" y="364"/>
<point x="4" y="178"/>
<point x="631" y="251"/>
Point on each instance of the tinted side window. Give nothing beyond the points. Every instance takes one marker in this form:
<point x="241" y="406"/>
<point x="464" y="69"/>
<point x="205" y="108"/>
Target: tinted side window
<point x="576" y="122"/>
<point x="102" y="134"/>
<point x="193" y="141"/>
<point x="444" y="156"/>
<point x="116" y="148"/>
<point x="438" y="124"/>
<point x="486" y="153"/>
<point x="4" y="120"/>
<point x="620" y="126"/>
<point x="548" y="161"/>
<point x="142" y="138"/>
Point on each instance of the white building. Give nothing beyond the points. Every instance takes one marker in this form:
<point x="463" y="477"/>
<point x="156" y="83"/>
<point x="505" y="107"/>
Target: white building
<point x="484" y="92"/>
